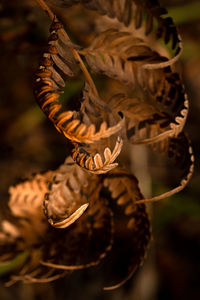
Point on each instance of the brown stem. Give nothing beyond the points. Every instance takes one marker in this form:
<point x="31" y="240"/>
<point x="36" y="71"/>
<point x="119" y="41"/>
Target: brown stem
<point x="46" y="9"/>
<point x="52" y="16"/>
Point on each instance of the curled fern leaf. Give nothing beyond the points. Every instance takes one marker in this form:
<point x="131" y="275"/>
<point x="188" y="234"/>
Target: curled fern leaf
<point x="165" y="29"/>
<point x="63" y="204"/>
<point x="58" y="61"/>
<point x="152" y="121"/>
<point x="95" y="164"/>
<point x="94" y="231"/>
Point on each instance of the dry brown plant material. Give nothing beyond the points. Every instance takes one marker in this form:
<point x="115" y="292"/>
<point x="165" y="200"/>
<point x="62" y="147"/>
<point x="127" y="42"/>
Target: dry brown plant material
<point x="90" y="201"/>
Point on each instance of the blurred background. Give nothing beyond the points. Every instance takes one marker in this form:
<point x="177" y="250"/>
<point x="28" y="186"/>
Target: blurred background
<point x="30" y="144"/>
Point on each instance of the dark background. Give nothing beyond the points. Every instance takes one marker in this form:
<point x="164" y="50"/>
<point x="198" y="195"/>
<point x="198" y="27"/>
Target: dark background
<point x="30" y="144"/>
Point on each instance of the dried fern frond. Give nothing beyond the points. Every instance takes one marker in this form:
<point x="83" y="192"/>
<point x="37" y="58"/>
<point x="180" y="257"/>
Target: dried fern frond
<point x="26" y="198"/>
<point x="163" y="27"/>
<point x="88" y="230"/>
<point x="25" y="229"/>
<point x="47" y="260"/>
<point x="121" y="56"/>
<point x="95" y="163"/>
<point x="93" y="232"/>
<point x="25" y="204"/>
<point x="95" y="110"/>
<point x="163" y="107"/>
<point x="23" y="235"/>
<point x="148" y="15"/>
<point x="68" y="195"/>
<point x="179" y="150"/>
<point x="26" y="225"/>
<point x="58" y="60"/>
<point x="132" y="229"/>
<point x="152" y="119"/>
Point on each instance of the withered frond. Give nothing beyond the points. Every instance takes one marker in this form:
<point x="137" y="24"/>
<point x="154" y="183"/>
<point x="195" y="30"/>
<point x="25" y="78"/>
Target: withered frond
<point x="59" y="60"/>
<point x="26" y="198"/>
<point x="47" y="260"/>
<point x="95" y="164"/>
<point x="121" y="55"/>
<point x="152" y="118"/>
<point x="160" y="25"/>
<point x="93" y="231"/>
<point x="68" y="195"/>
<point x="146" y="15"/>
<point x="88" y="212"/>
<point x="25" y="204"/>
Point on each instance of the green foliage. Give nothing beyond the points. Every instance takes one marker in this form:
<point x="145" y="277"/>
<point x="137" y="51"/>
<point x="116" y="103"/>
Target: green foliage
<point x="15" y="263"/>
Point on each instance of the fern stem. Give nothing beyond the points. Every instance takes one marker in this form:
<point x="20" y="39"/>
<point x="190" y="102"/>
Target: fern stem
<point x="162" y="196"/>
<point x="45" y="7"/>
<point x="52" y="16"/>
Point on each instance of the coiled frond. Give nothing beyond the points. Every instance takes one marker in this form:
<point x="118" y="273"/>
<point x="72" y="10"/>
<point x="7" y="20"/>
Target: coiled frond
<point x="163" y="28"/>
<point x="57" y="61"/>
<point x="152" y="121"/>
<point x="94" y="231"/>
<point x="68" y="195"/>
<point x="96" y="164"/>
